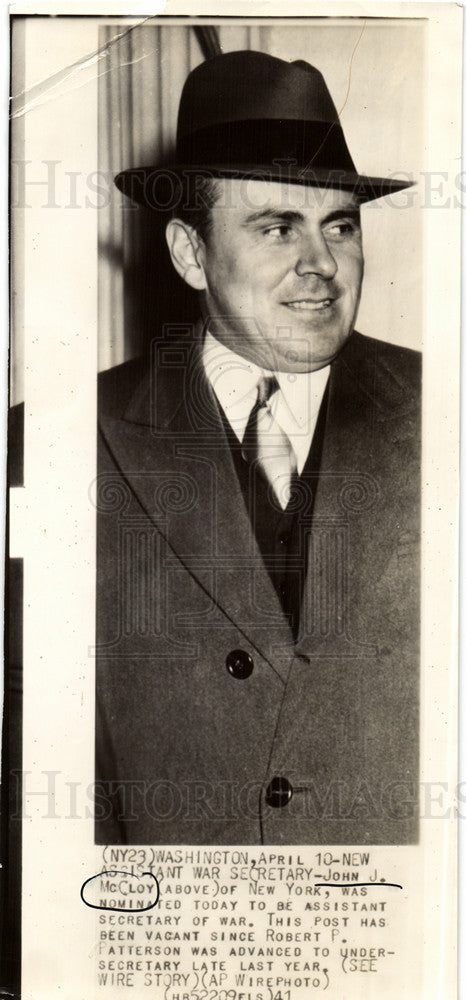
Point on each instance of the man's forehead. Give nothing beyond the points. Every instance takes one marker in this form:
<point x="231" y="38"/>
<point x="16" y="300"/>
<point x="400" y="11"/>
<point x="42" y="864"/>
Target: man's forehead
<point x="251" y="195"/>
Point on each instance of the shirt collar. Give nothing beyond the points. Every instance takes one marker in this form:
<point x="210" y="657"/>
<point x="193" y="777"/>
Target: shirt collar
<point x="234" y="380"/>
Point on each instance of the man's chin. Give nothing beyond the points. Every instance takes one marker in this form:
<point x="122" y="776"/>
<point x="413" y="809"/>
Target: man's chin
<point x="309" y="354"/>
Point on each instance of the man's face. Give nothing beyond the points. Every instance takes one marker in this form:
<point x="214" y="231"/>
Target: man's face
<point x="283" y="267"/>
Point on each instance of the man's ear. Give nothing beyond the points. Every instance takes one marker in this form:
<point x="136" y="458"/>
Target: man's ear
<point x="184" y="245"/>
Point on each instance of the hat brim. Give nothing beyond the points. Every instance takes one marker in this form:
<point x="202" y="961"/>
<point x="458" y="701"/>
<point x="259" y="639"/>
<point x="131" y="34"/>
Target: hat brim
<point x="160" y="188"/>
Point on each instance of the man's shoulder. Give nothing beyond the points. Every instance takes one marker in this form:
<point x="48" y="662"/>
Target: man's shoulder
<point x="116" y="386"/>
<point x="384" y="352"/>
<point x="395" y="372"/>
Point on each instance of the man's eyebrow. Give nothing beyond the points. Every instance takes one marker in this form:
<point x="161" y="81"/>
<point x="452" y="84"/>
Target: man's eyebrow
<point x="348" y="212"/>
<point x="289" y="216"/>
<point x="274" y="215"/>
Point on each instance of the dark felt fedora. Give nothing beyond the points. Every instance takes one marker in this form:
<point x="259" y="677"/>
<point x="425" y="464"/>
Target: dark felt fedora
<point x="248" y="114"/>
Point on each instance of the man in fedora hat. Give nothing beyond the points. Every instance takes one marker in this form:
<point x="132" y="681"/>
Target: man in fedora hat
<point x="258" y="495"/>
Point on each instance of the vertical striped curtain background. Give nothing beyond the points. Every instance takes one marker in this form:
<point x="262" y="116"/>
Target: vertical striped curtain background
<point x="138" y="105"/>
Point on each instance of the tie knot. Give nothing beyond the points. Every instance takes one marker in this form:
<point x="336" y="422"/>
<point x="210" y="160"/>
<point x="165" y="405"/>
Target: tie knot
<point x="266" y="387"/>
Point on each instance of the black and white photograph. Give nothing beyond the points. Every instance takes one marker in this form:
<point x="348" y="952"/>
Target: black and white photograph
<point x="258" y="489"/>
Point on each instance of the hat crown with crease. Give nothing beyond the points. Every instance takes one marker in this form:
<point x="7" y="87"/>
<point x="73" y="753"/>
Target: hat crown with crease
<point x="249" y="114"/>
<point x="239" y="86"/>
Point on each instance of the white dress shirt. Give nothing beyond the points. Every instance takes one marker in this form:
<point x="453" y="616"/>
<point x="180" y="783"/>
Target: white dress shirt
<point x="295" y="408"/>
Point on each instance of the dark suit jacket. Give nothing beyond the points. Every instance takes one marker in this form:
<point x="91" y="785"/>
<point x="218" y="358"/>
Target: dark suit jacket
<point x="186" y="749"/>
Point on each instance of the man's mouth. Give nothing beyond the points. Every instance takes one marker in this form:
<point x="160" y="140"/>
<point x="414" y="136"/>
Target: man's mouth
<point x="314" y="305"/>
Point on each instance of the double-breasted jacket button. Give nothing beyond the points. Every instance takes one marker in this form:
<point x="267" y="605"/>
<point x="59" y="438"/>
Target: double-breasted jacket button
<point x="239" y="664"/>
<point x="278" y="793"/>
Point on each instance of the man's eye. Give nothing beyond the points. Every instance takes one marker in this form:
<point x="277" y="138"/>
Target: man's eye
<point x="344" y="228"/>
<point x="282" y="232"/>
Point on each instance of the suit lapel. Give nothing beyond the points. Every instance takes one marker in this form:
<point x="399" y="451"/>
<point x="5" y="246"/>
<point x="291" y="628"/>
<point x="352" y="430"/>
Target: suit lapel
<point x="172" y="449"/>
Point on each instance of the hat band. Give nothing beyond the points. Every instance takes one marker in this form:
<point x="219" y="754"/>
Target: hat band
<point x="312" y="145"/>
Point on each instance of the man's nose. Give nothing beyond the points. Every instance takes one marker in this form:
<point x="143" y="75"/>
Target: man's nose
<point x="315" y="258"/>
